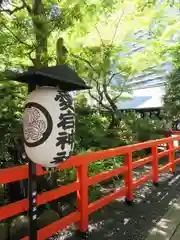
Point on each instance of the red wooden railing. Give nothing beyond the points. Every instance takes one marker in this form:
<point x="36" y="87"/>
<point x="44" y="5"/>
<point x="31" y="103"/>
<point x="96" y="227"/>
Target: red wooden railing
<point x="80" y="162"/>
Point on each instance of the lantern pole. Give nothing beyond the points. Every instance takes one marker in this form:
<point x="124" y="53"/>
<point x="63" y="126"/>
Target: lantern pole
<point x="32" y="192"/>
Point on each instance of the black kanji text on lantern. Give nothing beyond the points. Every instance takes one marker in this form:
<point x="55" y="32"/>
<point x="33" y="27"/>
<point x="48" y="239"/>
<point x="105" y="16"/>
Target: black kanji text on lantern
<point x="60" y="156"/>
<point x="65" y="100"/>
<point x="66" y="120"/>
<point x="64" y="138"/>
<point x="67" y="123"/>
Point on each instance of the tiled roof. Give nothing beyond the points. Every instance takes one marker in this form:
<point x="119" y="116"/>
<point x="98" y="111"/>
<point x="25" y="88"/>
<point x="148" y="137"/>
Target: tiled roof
<point x="151" y="97"/>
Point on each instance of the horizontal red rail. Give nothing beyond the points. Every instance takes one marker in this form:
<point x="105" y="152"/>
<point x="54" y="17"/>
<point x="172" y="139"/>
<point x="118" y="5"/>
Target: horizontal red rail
<point x="106" y="175"/>
<point x="21" y="172"/>
<point x="177" y="160"/>
<point x="141" y="162"/>
<point x="80" y="162"/>
<point x="22" y="206"/>
<point x="13" y="174"/>
<point x="13" y="209"/>
<point x="59" y="225"/>
<point x="105" y="200"/>
<point x="142" y="180"/>
<point x="165" y="168"/>
<point x="162" y="154"/>
<point x="57" y="193"/>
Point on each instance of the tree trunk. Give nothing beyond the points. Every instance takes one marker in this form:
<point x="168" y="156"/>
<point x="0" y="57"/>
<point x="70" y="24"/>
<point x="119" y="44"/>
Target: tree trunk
<point x="114" y="114"/>
<point x="41" y="34"/>
<point x="114" y="121"/>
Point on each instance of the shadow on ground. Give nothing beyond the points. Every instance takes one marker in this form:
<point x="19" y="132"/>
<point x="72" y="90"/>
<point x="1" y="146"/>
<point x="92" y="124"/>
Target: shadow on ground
<point x="120" y="221"/>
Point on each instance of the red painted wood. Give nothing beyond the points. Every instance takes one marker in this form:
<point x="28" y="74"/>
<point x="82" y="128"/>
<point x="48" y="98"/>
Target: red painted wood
<point x="142" y="180"/>
<point x="105" y="200"/>
<point x="82" y="196"/>
<point x="177" y="148"/>
<point x="81" y="185"/>
<point x="59" y="225"/>
<point x="142" y="161"/>
<point x="165" y="168"/>
<point x="128" y="177"/>
<point x="57" y="193"/>
<point x="162" y="154"/>
<point x="13" y="209"/>
<point x="171" y="155"/>
<point x="155" y="164"/>
<point x="106" y="175"/>
<point x="13" y="174"/>
<point x="177" y="160"/>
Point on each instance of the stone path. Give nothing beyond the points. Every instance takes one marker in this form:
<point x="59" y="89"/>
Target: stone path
<point x="120" y="221"/>
<point x="168" y="228"/>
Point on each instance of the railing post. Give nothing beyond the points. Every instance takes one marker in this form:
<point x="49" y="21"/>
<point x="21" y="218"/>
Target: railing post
<point x="128" y="178"/>
<point x="82" y="200"/>
<point x="155" y="165"/>
<point x="172" y="155"/>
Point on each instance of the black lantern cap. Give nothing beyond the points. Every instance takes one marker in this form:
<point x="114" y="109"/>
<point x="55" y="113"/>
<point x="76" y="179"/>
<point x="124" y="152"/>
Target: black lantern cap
<point x="60" y="75"/>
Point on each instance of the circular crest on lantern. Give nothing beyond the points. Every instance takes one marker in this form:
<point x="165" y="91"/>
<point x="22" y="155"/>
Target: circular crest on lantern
<point x="38" y="124"/>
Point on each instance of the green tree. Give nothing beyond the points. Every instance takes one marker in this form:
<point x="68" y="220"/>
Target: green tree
<point x="172" y="96"/>
<point x="32" y="34"/>
<point x="12" y="97"/>
<point x="104" y="56"/>
<point x="89" y="35"/>
<point x="30" y="29"/>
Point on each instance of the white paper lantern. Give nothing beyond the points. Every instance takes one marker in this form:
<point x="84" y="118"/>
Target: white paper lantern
<point x="49" y="126"/>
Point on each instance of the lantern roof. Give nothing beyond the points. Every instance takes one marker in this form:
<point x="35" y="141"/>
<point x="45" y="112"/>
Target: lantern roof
<point x="59" y="75"/>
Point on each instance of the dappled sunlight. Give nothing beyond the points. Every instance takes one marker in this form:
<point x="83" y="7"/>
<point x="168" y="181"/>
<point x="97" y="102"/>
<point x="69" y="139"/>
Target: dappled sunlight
<point x="163" y="224"/>
<point x="96" y="226"/>
<point x="126" y="221"/>
<point x="176" y="206"/>
<point x="174" y="180"/>
<point x="163" y="230"/>
<point x="117" y="220"/>
<point x="163" y="235"/>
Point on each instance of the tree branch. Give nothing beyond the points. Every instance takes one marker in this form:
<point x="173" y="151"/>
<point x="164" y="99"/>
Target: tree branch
<point x="15" y="36"/>
<point x="100" y="35"/>
<point x="111" y="78"/>
<point x="108" y="97"/>
<point x="110" y="100"/>
<point x="119" y="95"/>
<point x="99" y="91"/>
<point x="115" y="32"/>
<point x="98" y="88"/>
<point x="98" y="101"/>
<point x="86" y="61"/>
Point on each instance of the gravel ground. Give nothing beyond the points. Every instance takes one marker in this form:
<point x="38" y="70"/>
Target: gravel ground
<point x="120" y="221"/>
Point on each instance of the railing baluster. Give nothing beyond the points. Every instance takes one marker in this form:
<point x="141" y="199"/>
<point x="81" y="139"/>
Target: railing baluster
<point x="82" y="199"/>
<point x="128" y="177"/>
<point x="172" y="155"/>
<point x="155" y="165"/>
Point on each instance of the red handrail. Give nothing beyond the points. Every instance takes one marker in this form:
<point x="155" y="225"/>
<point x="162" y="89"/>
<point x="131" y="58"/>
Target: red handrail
<point x="80" y="162"/>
